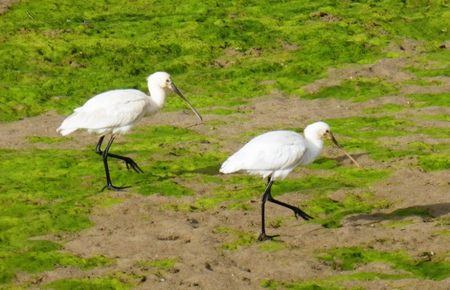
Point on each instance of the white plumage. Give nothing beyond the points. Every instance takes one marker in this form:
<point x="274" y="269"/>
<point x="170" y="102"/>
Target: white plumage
<point x="110" y="112"/>
<point x="277" y="153"/>
<point x="117" y="111"/>
<point x="273" y="155"/>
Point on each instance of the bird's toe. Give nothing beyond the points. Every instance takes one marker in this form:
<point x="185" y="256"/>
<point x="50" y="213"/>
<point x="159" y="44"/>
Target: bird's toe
<point x="303" y="215"/>
<point x="115" y="188"/>
<point x="264" y="237"/>
<point x="131" y="164"/>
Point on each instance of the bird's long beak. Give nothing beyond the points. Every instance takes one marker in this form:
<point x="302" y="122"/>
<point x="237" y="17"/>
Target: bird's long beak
<point x="331" y="136"/>
<point x="177" y="91"/>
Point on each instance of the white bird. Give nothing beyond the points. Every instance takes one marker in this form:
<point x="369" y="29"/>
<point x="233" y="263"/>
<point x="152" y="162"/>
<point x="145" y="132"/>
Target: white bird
<point x="274" y="154"/>
<point x="116" y="112"/>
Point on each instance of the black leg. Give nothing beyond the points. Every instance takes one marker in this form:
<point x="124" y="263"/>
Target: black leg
<point x="298" y="212"/>
<point x="263" y="236"/>
<point x="105" y="155"/>
<point x="98" y="148"/>
<point x="130" y="163"/>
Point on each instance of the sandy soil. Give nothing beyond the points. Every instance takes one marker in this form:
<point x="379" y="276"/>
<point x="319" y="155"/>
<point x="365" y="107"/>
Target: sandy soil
<point x="138" y="229"/>
<point x="5" y="4"/>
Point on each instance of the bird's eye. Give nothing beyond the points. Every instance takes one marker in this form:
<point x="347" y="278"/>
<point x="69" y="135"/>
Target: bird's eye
<point x="327" y="131"/>
<point x="168" y="81"/>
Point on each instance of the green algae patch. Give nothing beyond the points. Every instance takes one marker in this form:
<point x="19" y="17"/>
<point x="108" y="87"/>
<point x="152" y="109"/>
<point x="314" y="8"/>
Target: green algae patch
<point x="38" y="256"/>
<point x="411" y="211"/>
<point x="435" y="162"/>
<point x="428" y="100"/>
<point x="332" y="282"/>
<point x="240" y="238"/>
<point x="229" y="48"/>
<point x="37" y="202"/>
<point x="160" y="264"/>
<point x="338" y="178"/>
<point x="370" y="127"/>
<point x="386" y="108"/>
<point x="364" y="135"/>
<point x="436" y="61"/>
<point x="221" y="56"/>
<point x="272" y="246"/>
<point x="444" y="233"/>
<point x="356" y="90"/>
<point x="395" y="224"/>
<point x="351" y="258"/>
<point x="48" y="140"/>
<point x="89" y="284"/>
<point x="330" y="213"/>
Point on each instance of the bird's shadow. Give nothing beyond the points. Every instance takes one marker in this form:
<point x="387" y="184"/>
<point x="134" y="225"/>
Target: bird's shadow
<point x="342" y="158"/>
<point x="425" y="211"/>
<point x="208" y="170"/>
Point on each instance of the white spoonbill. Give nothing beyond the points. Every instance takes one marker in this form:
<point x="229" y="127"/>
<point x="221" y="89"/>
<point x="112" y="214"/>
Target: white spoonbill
<point x="274" y="154"/>
<point x="116" y="112"/>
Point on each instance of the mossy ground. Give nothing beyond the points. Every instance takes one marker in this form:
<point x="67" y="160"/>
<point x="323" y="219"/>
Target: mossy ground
<point x="56" y="54"/>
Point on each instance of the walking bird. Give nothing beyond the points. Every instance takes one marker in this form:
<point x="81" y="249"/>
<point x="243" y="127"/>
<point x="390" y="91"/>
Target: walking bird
<point x="274" y="154"/>
<point x="116" y="112"/>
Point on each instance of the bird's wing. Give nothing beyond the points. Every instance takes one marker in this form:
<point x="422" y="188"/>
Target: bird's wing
<point x="110" y="109"/>
<point x="270" y="151"/>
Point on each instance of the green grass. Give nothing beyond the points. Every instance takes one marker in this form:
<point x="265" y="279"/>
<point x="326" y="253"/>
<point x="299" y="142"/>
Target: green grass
<point x="437" y="64"/>
<point x="445" y="233"/>
<point x="437" y="117"/>
<point x="356" y="90"/>
<point x="394" y="224"/>
<point x="351" y="258"/>
<point x="326" y="211"/>
<point x="272" y="246"/>
<point x="410" y="211"/>
<point x="37" y="202"/>
<point x="88" y="284"/>
<point x="159" y="264"/>
<point x="47" y="140"/>
<point x="329" y="213"/>
<point x="56" y="54"/>
<point x="332" y="282"/>
<point x="368" y="135"/>
<point x="240" y="238"/>
<point x="426" y="100"/>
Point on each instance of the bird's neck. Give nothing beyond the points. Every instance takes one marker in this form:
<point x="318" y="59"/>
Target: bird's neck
<point x="157" y="96"/>
<point x="314" y="148"/>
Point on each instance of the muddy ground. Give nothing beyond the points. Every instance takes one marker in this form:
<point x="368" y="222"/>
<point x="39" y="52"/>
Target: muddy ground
<point x="140" y="229"/>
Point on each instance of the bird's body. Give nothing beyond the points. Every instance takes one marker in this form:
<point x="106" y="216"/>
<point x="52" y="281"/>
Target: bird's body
<point x="111" y="112"/>
<point x="118" y="111"/>
<point x="273" y="155"/>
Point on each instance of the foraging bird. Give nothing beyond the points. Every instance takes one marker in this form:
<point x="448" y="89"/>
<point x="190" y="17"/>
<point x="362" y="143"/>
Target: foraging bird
<point x="273" y="155"/>
<point x="116" y="112"/>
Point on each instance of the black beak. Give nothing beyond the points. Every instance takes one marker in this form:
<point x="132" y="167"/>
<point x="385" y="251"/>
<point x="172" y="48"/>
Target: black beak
<point x="331" y="136"/>
<point x="177" y="91"/>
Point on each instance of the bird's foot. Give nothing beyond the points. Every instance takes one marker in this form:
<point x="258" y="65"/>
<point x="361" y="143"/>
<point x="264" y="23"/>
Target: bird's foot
<point x="263" y="237"/>
<point x="131" y="164"/>
<point x="114" y="188"/>
<point x="299" y="213"/>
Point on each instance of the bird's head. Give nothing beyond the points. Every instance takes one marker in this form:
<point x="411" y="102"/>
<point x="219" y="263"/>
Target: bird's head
<point x="318" y="131"/>
<point x="321" y="130"/>
<point x="164" y="81"/>
<point x="160" y="79"/>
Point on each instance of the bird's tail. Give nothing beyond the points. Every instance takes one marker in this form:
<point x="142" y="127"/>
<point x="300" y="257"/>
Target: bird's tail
<point x="230" y="165"/>
<point x="65" y="131"/>
<point x="68" y="125"/>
